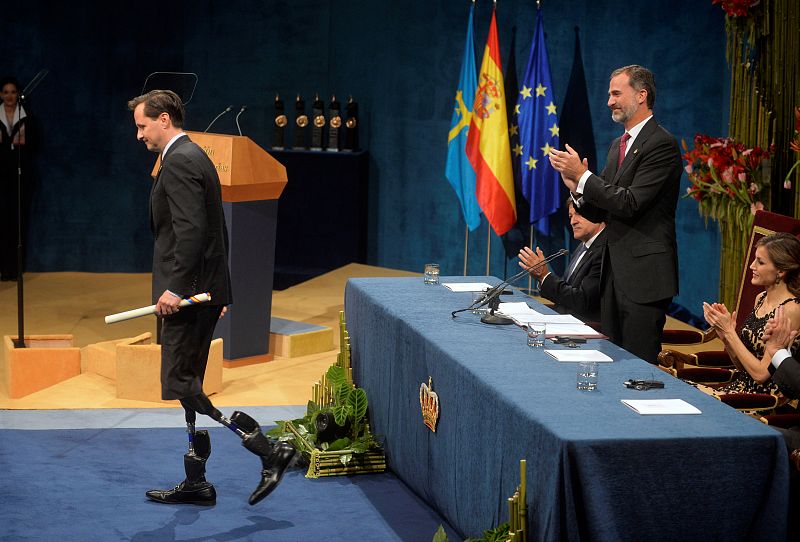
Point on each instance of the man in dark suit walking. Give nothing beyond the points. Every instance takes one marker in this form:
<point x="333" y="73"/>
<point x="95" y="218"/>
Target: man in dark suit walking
<point x="578" y="292"/>
<point x="636" y="196"/>
<point x="190" y="256"/>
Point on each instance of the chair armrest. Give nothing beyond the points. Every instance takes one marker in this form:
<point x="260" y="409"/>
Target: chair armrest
<point x="687" y="336"/>
<point x="676" y="360"/>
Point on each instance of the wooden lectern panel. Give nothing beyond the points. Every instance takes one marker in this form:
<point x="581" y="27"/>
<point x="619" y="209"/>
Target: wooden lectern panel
<point x="246" y="171"/>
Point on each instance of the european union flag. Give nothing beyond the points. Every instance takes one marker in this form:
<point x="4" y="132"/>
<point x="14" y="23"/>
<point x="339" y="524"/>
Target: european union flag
<point x="458" y="169"/>
<point x="538" y="134"/>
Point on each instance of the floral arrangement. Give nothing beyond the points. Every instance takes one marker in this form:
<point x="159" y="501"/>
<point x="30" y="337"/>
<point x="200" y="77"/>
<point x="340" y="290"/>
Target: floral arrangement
<point x="737" y="8"/>
<point x="727" y="179"/>
<point x="795" y="146"/>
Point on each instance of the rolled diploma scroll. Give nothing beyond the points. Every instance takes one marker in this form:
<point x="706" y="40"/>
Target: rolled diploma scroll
<point x="144" y="311"/>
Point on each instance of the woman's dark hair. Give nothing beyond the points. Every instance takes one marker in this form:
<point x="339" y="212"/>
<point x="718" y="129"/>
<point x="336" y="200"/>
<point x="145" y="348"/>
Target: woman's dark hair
<point x="784" y="251"/>
<point x="8" y="79"/>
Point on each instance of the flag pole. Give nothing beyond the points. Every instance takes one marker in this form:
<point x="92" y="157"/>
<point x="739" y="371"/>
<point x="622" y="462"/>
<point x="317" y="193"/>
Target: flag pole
<point x="488" y="247"/>
<point x="466" y="247"/>
<point x="530" y="277"/>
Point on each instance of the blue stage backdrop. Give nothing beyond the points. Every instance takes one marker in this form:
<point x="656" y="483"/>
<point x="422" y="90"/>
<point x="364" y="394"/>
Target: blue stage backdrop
<point x="399" y="60"/>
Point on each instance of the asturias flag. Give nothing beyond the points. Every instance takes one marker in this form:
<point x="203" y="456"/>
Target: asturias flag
<point x="458" y="170"/>
<point x="538" y="134"/>
<point x="487" y="144"/>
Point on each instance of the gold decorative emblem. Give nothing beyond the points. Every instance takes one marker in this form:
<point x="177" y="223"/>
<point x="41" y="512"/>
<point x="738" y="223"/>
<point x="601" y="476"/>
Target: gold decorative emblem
<point x="302" y="121"/>
<point x="429" y="402"/>
<point x="319" y="121"/>
<point x="351" y="122"/>
<point x="281" y="121"/>
<point x="336" y="121"/>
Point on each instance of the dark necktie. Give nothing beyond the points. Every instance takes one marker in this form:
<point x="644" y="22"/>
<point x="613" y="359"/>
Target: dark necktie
<point x="576" y="256"/>
<point x="623" y="144"/>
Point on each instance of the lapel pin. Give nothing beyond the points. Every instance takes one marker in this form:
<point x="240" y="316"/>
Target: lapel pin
<point x="635" y="151"/>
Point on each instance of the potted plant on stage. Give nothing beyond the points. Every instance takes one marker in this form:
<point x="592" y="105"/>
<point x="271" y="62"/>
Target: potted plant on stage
<point x="334" y="435"/>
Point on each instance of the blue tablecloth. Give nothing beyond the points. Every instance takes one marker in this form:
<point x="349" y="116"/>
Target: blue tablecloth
<point x="596" y="469"/>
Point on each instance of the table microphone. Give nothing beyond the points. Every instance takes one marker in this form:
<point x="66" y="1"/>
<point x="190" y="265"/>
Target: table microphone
<point x="227" y="109"/>
<point x="493" y="293"/>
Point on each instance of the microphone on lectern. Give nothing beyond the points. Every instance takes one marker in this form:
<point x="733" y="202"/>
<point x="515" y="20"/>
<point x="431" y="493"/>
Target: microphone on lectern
<point x="227" y="109"/>
<point x="242" y="110"/>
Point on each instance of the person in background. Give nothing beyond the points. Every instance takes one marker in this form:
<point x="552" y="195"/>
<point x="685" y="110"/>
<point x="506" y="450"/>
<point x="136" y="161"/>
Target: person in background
<point x="578" y="292"/>
<point x="17" y="143"/>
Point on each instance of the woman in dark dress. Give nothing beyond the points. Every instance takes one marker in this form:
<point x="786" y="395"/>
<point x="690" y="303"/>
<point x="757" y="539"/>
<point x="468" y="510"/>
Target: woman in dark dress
<point x="16" y="140"/>
<point x="776" y="267"/>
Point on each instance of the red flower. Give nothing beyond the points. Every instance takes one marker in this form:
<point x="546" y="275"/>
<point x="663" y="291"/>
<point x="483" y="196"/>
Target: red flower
<point x="736" y="8"/>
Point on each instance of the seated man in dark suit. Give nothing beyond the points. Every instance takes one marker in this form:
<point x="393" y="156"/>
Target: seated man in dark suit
<point x="785" y="370"/>
<point x="578" y="292"/>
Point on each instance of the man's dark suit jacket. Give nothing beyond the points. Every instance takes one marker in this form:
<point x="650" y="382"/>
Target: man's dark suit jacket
<point x="580" y="295"/>
<point x="191" y="239"/>
<point x="787" y="377"/>
<point x="637" y="203"/>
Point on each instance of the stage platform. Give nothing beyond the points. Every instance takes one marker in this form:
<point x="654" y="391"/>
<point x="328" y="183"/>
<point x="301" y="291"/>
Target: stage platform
<point x="75" y="303"/>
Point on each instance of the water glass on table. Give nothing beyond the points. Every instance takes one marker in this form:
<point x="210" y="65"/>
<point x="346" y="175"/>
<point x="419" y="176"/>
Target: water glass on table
<point x="587" y="375"/>
<point x="431" y="273"/>
<point x="537" y="332"/>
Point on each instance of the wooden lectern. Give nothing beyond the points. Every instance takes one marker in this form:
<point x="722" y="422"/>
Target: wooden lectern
<point x="252" y="181"/>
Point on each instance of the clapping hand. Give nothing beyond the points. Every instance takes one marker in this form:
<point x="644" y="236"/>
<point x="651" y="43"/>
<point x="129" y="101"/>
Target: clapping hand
<point x="778" y="332"/>
<point x="528" y="259"/>
<point x="717" y="316"/>
<point x="570" y="165"/>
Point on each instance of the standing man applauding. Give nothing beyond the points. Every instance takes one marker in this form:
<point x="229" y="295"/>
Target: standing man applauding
<point x="636" y="196"/>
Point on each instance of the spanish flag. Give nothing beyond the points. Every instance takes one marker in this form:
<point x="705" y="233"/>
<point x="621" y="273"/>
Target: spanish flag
<point x="488" y="148"/>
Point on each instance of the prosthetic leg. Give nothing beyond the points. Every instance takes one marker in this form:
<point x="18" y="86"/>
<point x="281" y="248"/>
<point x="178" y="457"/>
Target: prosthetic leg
<point x="194" y="489"/>
<point x="275" y="458"/>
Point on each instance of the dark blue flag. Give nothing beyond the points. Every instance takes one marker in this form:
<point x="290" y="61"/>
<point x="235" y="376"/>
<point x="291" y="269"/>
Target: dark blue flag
<point x="576" y="117"/>
<point x="538" y="134"/>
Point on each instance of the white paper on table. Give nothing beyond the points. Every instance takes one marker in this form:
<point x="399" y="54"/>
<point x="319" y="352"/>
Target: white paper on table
<point x="660" y="406"/>
<point x="573" y="330"/>
<point x="522" y="313"/>
<point x="575" y="354"/>
<point x="466" y="286"/>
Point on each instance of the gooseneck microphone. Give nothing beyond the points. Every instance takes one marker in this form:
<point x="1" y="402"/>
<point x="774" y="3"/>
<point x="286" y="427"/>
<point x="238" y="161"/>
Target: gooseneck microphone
<point x="492" y="294"/>
<point x="242" y="110"/>
<point x="210" y="124"/>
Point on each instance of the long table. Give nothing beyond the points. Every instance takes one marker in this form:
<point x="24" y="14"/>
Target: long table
<point x="596" y="469"/>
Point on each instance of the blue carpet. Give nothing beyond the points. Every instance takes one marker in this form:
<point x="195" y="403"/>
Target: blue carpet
<point x="89" y="484"/>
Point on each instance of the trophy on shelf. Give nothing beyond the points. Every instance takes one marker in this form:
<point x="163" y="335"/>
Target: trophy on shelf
<point x="351" y="126"/>
<point x="280" y="124"/>
<point x="300" y="121"/>
<point x="318" y="118"/>
<point x="334" y="124"/>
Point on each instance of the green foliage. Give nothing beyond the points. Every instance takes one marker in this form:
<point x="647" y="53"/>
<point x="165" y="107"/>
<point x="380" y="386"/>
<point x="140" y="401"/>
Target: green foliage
<point x="440" y="535"/>
<point x="335" y="376"/>
<point x="498" y="534"/>
<point x="341" y="413"/>
<point x="357" y="400"/>
<point x="349" y="407"/>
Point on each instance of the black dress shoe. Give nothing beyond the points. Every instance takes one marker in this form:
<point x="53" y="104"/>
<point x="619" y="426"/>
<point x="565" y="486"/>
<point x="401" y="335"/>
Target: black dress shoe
<point x="274" y="467"/>
<point x="202" y="494"/>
